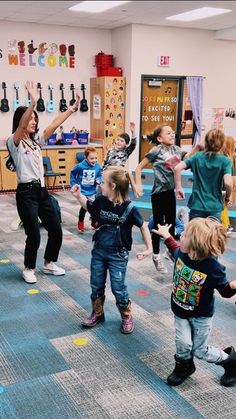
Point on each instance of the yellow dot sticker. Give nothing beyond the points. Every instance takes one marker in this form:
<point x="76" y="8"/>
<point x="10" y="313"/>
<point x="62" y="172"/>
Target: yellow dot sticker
<point x="33" y="291"/>
<point x="4" y="261"/>
<point x="80" y="341"/>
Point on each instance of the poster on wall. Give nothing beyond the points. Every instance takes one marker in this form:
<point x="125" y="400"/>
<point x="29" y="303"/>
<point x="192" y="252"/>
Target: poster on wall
<point x="29" y="53"/>
<point x="218" y="118"/>
<point x="96" y="106"/>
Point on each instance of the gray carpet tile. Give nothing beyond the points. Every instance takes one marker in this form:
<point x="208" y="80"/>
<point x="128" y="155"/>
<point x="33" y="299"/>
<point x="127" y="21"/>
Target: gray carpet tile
<point x="44" y="375"/>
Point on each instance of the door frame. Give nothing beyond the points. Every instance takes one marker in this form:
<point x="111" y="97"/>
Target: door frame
<point x="162" y="77"/>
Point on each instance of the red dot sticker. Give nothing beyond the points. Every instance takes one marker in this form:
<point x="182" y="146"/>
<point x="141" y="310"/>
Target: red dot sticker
<point x="68" y="237"/>
<point x="142" y="292"/>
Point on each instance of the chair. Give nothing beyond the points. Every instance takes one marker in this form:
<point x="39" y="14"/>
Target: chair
<point x="80" y="156"/>
<point x="48" y="172"/>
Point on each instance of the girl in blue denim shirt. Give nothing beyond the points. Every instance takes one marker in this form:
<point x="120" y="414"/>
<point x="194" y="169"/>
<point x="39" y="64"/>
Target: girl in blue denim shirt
<point x="115" y="215"/>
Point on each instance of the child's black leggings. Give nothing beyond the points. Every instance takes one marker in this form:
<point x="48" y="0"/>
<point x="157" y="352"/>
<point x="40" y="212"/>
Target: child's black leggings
<point x="82" y="213"/>
<point x="164" y="212"/>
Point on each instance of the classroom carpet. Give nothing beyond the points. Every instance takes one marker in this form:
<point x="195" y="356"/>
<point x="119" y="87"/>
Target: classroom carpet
<point x="52" y="368"/>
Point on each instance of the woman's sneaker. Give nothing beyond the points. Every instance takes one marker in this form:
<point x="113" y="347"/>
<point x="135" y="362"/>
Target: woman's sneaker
<point x="53" y="269"/>
<point x="159" y="265"/>
<point x="29" y="276"/>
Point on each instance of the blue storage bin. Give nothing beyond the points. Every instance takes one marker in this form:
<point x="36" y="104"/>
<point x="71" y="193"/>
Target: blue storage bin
<point x="52" y="139"/>
<point x="69" y="137"/>
<point x="82" y="138"/>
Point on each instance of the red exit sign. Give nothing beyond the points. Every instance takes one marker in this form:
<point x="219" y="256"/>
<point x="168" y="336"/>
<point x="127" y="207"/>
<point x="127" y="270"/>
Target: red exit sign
<point x="163" y="61"/>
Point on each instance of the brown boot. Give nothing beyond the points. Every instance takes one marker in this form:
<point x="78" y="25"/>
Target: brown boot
<point x="127" y="325"/>
<point x="97" y="315"/>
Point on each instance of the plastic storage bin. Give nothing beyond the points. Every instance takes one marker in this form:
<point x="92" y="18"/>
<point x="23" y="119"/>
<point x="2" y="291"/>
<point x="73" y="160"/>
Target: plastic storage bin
<point x="69" y="137"/>
<point x="82" y="138"/>
<point x="52" y="139"/>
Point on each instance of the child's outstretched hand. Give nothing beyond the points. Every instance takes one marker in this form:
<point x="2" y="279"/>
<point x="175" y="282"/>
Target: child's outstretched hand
<point x="76" y="191"/>
<point x="132" y="127"/>
<point x="142" y="255"/>
<point x="179" y="193"/>
<point x="163" y="230"/>
<point x="233" y="285"/>
<point x="33" y="91"/>
<point x="138" y="190"/>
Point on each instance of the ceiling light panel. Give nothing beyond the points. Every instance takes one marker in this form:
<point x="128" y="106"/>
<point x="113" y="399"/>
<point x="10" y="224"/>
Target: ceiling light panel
<point x="197" y="14"/>
<point x="96" y="6"/>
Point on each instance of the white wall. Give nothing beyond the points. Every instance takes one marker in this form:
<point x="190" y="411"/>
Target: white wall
<point x="88" y="43"/>
<point x="192" y="52"/>
<point x="135" y="49"/>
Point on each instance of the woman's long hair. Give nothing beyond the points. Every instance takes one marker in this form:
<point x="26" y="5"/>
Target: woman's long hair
<point x="19" y="112"/>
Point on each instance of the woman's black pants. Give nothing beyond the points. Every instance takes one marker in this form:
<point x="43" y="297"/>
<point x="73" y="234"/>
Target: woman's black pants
<point x="33" y="202"/>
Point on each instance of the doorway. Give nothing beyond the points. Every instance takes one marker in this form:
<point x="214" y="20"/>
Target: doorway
<point x="164" y="101"/>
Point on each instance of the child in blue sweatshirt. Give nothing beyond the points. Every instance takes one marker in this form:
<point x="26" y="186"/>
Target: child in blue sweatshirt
<point x="88" y="175"/>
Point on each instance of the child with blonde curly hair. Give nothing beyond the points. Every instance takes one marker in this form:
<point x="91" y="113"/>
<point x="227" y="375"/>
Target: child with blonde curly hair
<point x="197" y="273"/>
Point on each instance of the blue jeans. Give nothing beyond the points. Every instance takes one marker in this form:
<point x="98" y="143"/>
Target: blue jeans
<point x="191" y="339"/>
<point x="203" y="214"/>
<point x="115" y="261"/>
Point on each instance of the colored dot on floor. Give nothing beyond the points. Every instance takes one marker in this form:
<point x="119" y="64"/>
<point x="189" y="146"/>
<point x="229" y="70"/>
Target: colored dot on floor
<point x="80" y="341"/>
<point x="1" y="389"/>
<point x="142" y="292"/>
<point x="68" y="237"/>
<point x="4" y="261"/>
<point x="33" y="291"/>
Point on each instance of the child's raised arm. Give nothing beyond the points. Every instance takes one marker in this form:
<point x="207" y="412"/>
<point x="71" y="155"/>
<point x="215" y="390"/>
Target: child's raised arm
<point x="147" y="240"/>
<point x="132" y="129"/>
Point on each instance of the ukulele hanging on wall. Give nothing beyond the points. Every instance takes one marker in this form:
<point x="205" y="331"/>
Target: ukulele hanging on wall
<point x="4" y="102"/>
<point x="62" y="105"/>
<point x="50" y="104"/>
<point x="28" y="100"/>
<point x="16" y="101"/>
<point x="40" y="103"/>
<point x="83" y="102"/>
<point x="72" y="101"/>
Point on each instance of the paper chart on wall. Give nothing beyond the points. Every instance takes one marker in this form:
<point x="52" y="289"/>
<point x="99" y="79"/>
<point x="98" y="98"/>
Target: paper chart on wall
<point x="218" y="118"/>
<point x="96" y="106"/>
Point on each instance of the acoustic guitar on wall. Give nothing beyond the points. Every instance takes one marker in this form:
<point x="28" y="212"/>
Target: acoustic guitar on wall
<point x="50" y="104"/>
<point x="4" y="102"/>
<point x="40" y="102"/>
<point x="62" y="105"/>
<point x="16" y="101"/>
<point x="83" y="102"/>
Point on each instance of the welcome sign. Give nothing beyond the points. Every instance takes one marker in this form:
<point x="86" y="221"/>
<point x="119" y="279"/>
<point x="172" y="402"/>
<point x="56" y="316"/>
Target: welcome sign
<point x="23" y="53"/>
